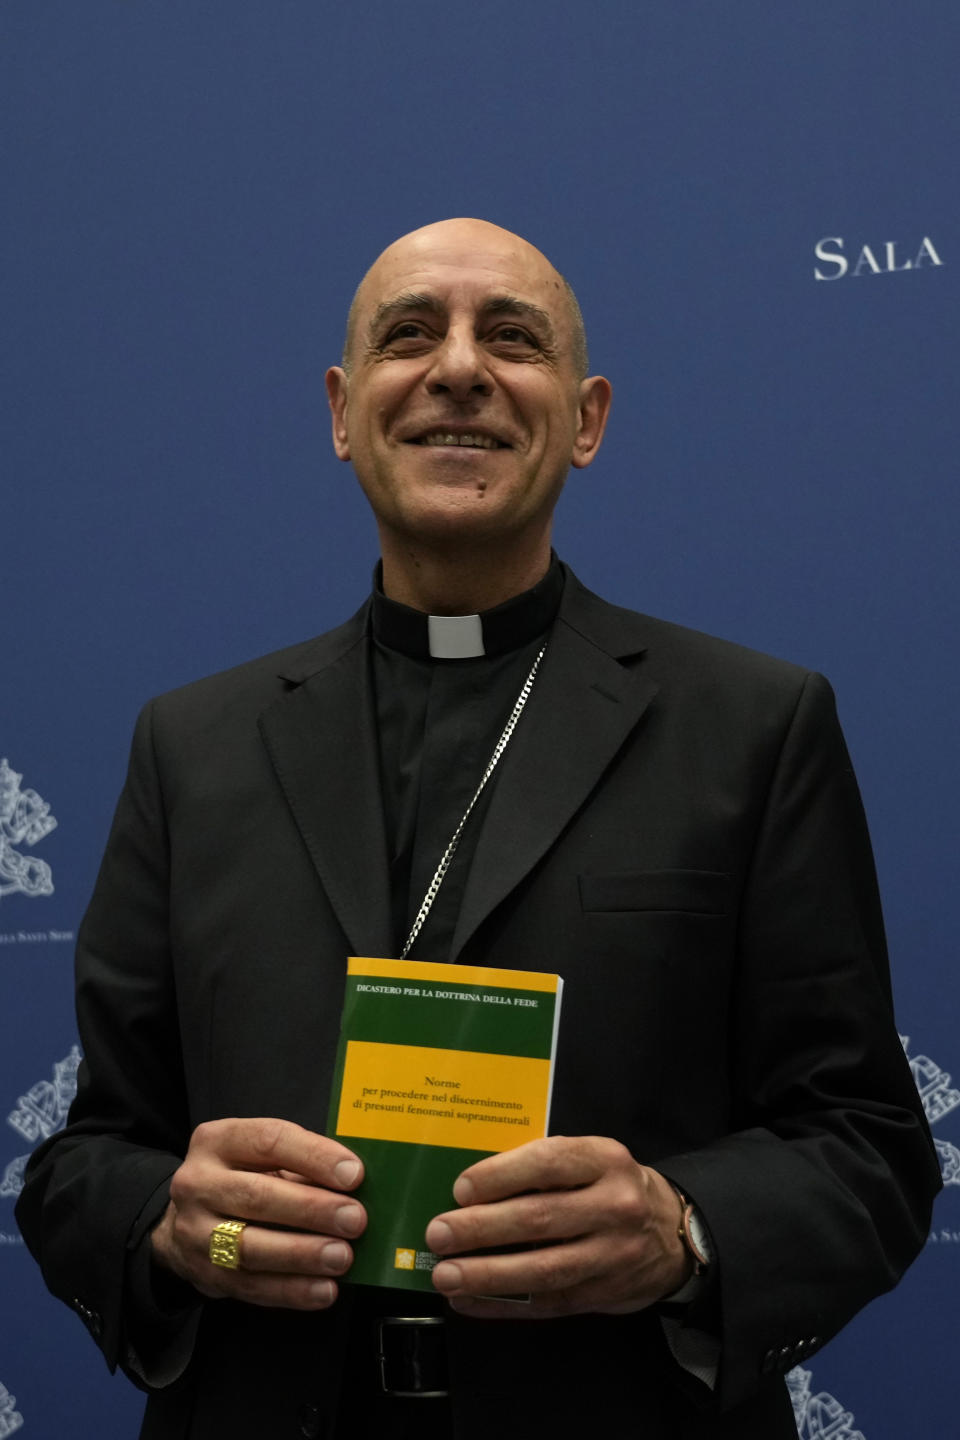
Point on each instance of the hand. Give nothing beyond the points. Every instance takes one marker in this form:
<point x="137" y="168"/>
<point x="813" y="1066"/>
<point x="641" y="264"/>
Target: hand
<point x="608" y="1228"/>
<point x="290" y="1185"/>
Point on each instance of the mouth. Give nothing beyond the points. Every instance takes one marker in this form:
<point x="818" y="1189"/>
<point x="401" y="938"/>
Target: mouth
<point x="460" y="439"/>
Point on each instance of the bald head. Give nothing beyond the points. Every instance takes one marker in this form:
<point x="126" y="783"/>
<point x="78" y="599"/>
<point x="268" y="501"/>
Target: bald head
<point x="485" y="238"/>
<point x="464" y="408"/>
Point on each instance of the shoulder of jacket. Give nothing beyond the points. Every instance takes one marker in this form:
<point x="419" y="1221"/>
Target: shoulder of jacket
<point x="258" y="681"/>
<point x="669" y="648"/>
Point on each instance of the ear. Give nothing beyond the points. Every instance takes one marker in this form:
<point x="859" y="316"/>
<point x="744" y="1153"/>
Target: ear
<point x="595" y="394"/>
<point x="336" y="382"/>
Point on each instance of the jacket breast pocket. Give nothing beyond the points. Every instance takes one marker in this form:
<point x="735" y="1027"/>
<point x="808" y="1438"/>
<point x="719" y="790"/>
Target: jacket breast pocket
<point x="694" y="892"/>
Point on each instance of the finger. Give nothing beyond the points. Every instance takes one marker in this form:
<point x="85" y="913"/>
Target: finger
<point x="288" y="1292"/>
<point x="522" y="1220"/>
<point x="201" y="1198"/>
<point x="281" y="1252"/>
<point x="584" y="1277"/>
<point x="558" y="1162"/>
<point x="552" y="1275"/>
<point x="269" y="1144"/>
<point x="249" y="1195"/>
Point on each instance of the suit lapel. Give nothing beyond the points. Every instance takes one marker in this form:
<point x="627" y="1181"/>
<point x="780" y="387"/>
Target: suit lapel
<point x="322" y="743"/>
<point x="584" y="705"/>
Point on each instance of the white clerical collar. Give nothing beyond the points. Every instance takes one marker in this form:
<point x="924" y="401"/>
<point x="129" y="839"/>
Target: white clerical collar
<point x="506" y="627"/>
<point x="455" y="637"/>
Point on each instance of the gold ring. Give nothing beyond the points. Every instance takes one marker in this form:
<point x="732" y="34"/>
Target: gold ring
<point x="225" y="1243"/>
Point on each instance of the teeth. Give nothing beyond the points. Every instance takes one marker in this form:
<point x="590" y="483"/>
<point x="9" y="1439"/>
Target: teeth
<point x="443" y="437"/>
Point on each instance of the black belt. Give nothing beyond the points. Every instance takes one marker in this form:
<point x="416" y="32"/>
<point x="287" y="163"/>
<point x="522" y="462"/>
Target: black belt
<point x="413" y="1356"/>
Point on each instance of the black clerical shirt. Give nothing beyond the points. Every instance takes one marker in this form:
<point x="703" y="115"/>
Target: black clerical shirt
<point x="438" y="721"/>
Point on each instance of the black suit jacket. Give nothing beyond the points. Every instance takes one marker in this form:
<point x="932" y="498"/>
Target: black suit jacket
<point x="676" y="829"/>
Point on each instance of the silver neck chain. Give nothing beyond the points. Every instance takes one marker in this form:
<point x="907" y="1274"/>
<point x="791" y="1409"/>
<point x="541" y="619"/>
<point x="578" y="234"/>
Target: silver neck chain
<point x="492" y="763"/>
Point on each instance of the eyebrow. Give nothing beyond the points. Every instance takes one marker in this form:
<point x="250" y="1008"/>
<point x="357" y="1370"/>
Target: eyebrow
<point x="505" y="304"/>
<point x="513" y="305"/>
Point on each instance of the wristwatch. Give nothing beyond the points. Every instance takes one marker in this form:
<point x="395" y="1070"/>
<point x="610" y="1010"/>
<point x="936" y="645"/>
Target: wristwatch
<point x="693" y="1234"/>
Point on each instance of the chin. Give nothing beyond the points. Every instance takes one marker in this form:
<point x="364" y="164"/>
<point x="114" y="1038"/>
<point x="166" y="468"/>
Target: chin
<point x="459" y="523"/>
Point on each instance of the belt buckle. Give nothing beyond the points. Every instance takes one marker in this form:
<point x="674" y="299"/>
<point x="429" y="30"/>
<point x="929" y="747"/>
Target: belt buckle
<point x="413" y="1362"/>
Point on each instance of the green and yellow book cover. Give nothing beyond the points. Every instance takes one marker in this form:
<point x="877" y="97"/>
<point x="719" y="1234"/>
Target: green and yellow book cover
<point x="438" y="1066"/>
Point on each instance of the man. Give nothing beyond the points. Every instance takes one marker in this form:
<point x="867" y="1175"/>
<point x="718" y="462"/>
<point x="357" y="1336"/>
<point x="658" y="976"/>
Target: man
<point x="740" y="1160"/>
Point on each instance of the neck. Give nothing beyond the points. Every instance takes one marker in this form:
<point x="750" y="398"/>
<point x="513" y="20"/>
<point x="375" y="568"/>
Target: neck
<point x="459" y="582"/>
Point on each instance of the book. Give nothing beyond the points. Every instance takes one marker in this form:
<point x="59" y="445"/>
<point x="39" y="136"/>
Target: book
<point x="437" y="1067"/>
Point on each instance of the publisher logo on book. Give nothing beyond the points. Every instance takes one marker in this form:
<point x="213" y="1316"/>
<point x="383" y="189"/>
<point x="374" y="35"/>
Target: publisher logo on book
<point x="404" y="1259"/>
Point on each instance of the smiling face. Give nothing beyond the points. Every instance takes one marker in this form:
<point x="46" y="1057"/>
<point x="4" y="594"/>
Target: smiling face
<point x="462" y="410"/>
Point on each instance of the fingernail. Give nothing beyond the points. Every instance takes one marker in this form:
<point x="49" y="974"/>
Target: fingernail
<point x="439" y="1236"/>
<point x="322" y="1292"/>
<point x="349" y="1219"/>
<point x="463" y="1191"/>
<point x="446" y="1276"/>
<point x="336" y="1257"/>
<point x="346" y="1172"/>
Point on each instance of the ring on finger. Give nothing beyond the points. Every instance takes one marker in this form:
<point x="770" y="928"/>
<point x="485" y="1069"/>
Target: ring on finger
<point x="224" y="1248"/>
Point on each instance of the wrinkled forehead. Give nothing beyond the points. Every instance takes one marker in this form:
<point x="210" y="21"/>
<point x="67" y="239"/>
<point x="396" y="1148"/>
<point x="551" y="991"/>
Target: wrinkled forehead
<point x="463" y="265"/>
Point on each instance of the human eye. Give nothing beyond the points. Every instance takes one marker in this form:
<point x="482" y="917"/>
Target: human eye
<point x="403" y="334"/>
<point x="510" y="337"/>
<point x="405" y="330"/>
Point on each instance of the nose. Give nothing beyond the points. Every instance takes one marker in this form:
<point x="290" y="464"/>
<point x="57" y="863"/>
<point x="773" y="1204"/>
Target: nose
<point x="459" y="367"/>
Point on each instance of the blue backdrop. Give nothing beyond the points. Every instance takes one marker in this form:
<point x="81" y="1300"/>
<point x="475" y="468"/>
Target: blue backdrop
<point x="757" y="204"/>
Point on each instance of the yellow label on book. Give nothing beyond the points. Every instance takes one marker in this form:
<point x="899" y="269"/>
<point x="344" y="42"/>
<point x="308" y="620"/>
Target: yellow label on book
<point x="466" y="1099"/>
